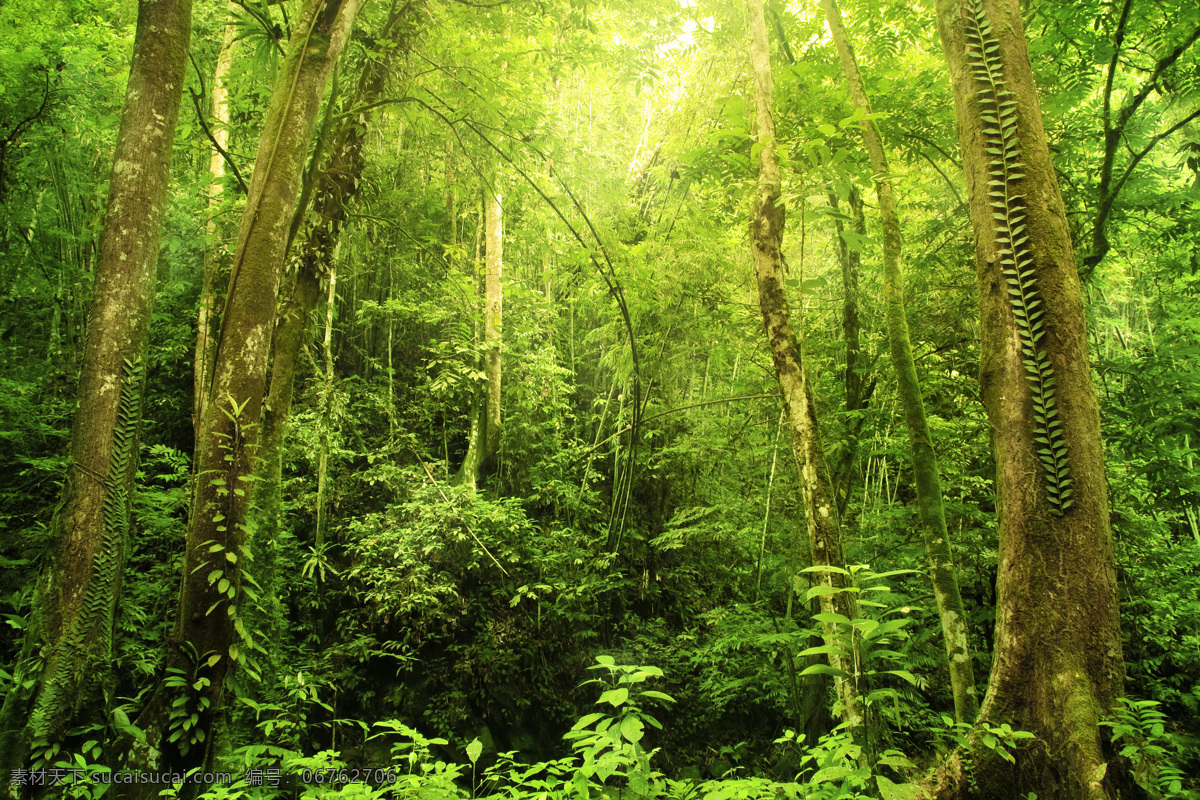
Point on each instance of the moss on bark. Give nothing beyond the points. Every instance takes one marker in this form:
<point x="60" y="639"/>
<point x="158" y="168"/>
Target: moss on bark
<point x="69" y="642"/>
<point x="786" y="346"/>
<point x="207" y="641"/>
<point x="925" y="466"/>
<point x="1058" y="665"/>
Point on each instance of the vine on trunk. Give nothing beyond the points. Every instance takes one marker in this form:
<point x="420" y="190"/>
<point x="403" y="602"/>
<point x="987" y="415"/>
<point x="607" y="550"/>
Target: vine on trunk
<point x="1005" y="170"/>
<point x="97" y="604"/>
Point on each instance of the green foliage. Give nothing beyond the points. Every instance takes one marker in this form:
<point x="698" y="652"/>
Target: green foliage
<point x="612" y="745"/>
<point x="868" y="641"/>
<point x="1139" y="729"/>
<point x="609" y="758"/>
<point x="403" y="614"/>
<point x="1001" y="740"/>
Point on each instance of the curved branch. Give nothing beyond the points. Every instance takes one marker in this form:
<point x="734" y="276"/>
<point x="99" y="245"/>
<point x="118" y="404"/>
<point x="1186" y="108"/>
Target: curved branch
<point x="16" y="131"/>
<point x="1100" y="243"/>
<point x="196" y="98"/>
<point x="1106" y="192"/>
<point x="669" y="411"/>
<point x="610" y="277"/>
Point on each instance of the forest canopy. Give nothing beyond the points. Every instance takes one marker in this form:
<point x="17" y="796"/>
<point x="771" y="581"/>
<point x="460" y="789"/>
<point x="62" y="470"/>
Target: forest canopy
<point x="654" y="398"/>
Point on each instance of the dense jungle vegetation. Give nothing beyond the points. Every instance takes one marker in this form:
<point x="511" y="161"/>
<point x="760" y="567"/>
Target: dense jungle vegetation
<point x="550" y="399"/>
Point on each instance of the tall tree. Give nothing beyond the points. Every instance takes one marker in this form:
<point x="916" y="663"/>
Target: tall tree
<point x="484" y="444"/>
<point x="858" y="388"/>
<point x="1058" y="668"/>
<point x="204" y="646"/>
<point x="71" y="629"/>
<point x="335" y="188"/>
<point x="925" y="467"/>
<point x="215" y="254"/>
<point x="322" y="521"/>
<point x="787" y="346"/>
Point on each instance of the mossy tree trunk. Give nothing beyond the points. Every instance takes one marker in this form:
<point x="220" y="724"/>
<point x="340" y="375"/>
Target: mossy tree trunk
<point x="858" y="388"/>
<point x="215" y="258"/>
<point x="1058" y="667"/>
<point x="209" y="637"/>
<point x="334" y="191"/>
<point x="70" y="635"/>
<point x="786" y="345"/>
<point x="925" y="467"/>
<point x="483" y="446"/>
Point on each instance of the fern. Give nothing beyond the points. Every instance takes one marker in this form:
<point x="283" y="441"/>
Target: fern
<point x="97" y="609"/>
<point x="998" y="112"/>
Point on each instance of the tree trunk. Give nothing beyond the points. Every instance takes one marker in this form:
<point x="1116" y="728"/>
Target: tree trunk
<point x="493" y="317"/>
<point x="858" y="391"/>
<point x="1058" y="667"/>
<point x="204" y="646"/>
<point x="451" y="201"/>
<point x="483" y="440"/>
<point x="786" y="344"/>
<point x="326" y="415"/>
<point x="71" y="630"/>
<point x="925" y="468"/>
<point x="215" y="255"/>
<point x="335" y="187"/>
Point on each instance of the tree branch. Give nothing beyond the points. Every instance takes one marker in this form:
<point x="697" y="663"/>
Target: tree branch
<point x="1118" y="40"/>
<point x="682" y="408"/>
<point x="1106" y="192"/>
<point x="196" y="98"/>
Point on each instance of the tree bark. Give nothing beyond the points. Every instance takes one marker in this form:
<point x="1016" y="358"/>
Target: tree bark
<point x="786" y="345"/>
<point x="204" y="648"/>
<point x="319" y="531"/>
<point x="483" y="440"/>
<point x="335" y="188"/>
<point x="215" y="255"/>
<point x="493" y="317"/>
<point x="1058" y="667"/>
<point x="925" y="467"/>
<point x="71" y="630"/>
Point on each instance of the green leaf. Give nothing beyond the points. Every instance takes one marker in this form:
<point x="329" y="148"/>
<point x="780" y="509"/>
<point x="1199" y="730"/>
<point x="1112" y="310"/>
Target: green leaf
<point x="586" y="721"/>
<point x="827" y="568"/>
<point x="830" y="774"/>
<point x="822" y="591"/>
<point x="899" y="673"/>
<point x="897" y="791"/>
<point x="824" y="669"/>
<point x="632" y="729"/>
<point x="824" y="649"/>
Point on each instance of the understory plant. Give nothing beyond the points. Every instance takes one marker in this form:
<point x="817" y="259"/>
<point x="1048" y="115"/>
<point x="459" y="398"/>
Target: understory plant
<point x="611" y="756"/>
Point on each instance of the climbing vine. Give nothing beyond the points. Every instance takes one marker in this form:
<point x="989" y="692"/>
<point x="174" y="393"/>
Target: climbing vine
<point x="101" y="590"/>
<point x="1005" y="171"/>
